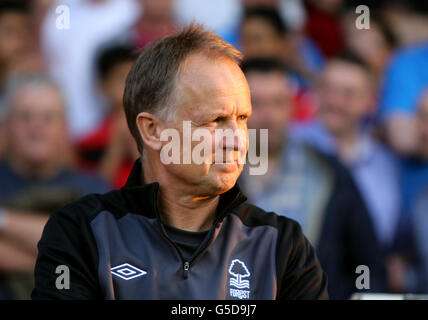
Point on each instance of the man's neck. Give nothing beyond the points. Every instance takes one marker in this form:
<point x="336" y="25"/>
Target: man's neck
<point x="178" y="206"/>
<point x="188" y="212"/>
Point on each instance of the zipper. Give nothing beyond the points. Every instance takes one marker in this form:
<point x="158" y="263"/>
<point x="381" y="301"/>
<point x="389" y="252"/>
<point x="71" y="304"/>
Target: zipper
<point x="216" y="224"/>
<point x="186" y="267"/>
<point x="186" y="264"/>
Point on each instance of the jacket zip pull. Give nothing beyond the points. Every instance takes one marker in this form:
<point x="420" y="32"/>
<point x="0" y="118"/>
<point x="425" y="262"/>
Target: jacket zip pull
<point x="186" y="267"/>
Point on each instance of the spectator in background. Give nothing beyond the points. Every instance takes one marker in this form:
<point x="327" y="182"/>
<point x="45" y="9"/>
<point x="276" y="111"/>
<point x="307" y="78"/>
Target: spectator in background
<point x="110" y="148"/>
<point x="157" y="20"/>
<point x="34" y="174"/>
<point x="264" y="34"/>
<point x="224" y="16"/>
<point x="70" y="53"/>
<point x="415" y="167"/>
<point x="17" y="49"/>
<point x="374" y="45"/>
<point x="309" y="187"/>
<point x="409" y="265"/>
<point x="405" y="79"/>
<point x="346" y="99"/>
<point x="292" y="11"/>
<point x="15" y="37"/>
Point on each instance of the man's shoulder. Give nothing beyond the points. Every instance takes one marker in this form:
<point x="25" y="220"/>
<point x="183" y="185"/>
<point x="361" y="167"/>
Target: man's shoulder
<point x="85" y="209"/>
<point x="254" y="216"/>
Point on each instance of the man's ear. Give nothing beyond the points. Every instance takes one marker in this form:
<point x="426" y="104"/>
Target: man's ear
<point x="150" y="128"/>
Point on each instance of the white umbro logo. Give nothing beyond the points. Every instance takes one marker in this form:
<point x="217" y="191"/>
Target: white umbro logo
<point x="127" y="271"/>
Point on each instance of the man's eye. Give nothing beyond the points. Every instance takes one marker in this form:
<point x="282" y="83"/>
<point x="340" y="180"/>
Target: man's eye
<point x="218" y="119"/>
<point x="243" y="117"/>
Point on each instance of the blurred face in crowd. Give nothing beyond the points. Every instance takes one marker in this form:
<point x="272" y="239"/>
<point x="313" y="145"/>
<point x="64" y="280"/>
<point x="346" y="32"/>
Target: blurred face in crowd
<point x="114" y="83"/>
<point x="14" y="36"/>
<point x="345" y="96"/>
<point x="271" y="100"/>
<point x="212" y="94"/>
<point x="259" y="39"/>
<point x="422" y="126"/>
<point x="35" y="125"/>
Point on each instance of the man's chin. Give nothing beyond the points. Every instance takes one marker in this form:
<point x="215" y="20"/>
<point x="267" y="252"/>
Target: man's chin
<point x="226" y="177"/>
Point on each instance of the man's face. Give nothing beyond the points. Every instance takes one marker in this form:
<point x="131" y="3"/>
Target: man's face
<point x="271" y="100"/>
<point x="35" y="126"/>
<point x="213" y="94"/>
<point x="344" y="96"/>
<point x="422" y="126"/>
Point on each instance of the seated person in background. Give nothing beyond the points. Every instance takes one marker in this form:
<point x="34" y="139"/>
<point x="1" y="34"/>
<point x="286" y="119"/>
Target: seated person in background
<point x="405" y="78"/>
<point x="415" y="167"/>
<point x="110" y="148"/>
<point x="346" y="100"/>
<point x="14" y="43"/>
<point x="310" y="187"/>
<point x="410" y="264"/>
<point x="264" y="34"/>
<point x="35" y="178"/>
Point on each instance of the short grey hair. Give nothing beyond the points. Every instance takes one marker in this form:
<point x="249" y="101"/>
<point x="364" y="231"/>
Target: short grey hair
<point x="17" y="81"/>
<point x="151" y="81"/>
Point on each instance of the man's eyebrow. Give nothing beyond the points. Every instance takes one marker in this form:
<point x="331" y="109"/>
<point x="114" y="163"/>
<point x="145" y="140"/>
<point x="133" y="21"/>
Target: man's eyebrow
<point x="223" y="112"/>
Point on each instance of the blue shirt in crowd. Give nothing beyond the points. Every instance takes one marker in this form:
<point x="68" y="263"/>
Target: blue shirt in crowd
<point x="405" y="79"/>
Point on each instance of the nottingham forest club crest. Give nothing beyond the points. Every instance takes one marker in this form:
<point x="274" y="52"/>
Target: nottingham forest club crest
<point x="238" y="281"/>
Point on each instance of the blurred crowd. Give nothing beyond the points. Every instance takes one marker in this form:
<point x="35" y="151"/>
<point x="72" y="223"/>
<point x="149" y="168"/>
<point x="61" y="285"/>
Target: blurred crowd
<point x="346" y="110"/>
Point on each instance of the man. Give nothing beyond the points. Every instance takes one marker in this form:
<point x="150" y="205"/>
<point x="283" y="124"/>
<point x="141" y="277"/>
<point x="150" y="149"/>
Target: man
<point x="346" y="101"/>
<point x="263" y="33"/>
<point x="180" y="231"/>
<point x="310" y="187"/>
<point x="35" y="175"/>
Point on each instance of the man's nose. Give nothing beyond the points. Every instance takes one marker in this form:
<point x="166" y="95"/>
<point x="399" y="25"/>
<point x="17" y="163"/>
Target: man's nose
<point x="231" y="142"/>
<point x="234" y="140"/>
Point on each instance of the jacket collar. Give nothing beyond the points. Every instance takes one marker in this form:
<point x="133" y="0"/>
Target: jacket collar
<point x="142" y="198"/>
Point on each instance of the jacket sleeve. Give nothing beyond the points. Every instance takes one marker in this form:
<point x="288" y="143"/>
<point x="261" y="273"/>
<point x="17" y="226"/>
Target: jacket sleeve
<point x="301" y="275"/>
<point x="67" y="241"/>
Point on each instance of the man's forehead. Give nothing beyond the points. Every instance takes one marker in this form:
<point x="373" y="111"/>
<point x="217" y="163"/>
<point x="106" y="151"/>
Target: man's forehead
<point x="202" y="78"/>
